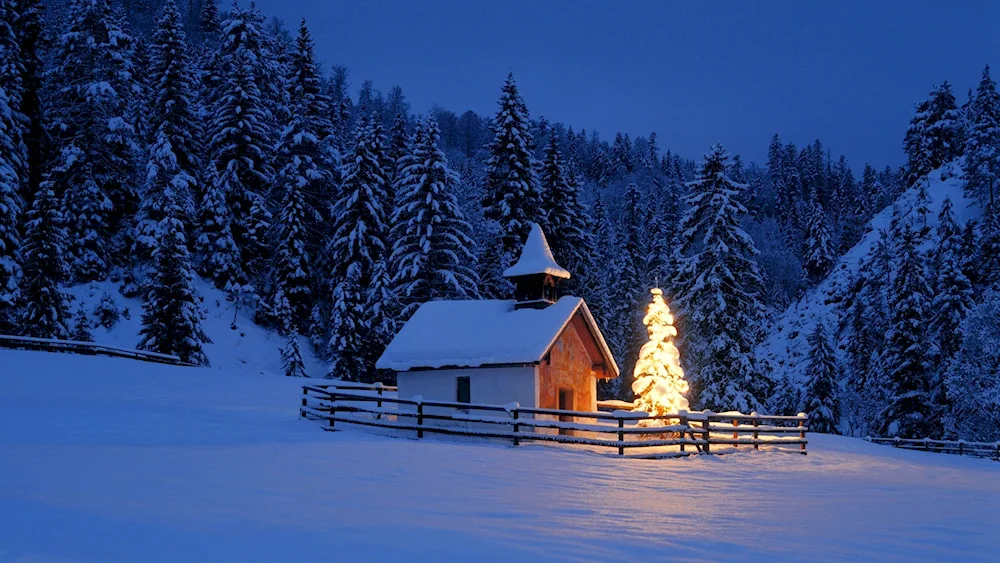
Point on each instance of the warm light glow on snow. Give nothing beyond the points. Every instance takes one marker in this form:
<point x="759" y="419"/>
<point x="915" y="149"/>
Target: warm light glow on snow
<point x="659" y="380"/>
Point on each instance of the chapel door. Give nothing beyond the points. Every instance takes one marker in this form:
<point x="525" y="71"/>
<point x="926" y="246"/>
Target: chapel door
<point x="566" y="404"/>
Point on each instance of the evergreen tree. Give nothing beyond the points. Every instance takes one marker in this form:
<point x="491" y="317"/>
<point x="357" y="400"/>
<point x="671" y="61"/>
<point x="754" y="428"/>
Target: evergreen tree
<point x="242" y="137"/>
<point x="291" y="354"/>
<point x="94" y="167"/>
<point x="973" y="377"/>
<point x="172" y="114"/>
<point x="922" y="207"/>
<point x="982" y="145"/>
<point x="658" y="379"/>
<point x="171" y="319"/>
<point x="817" y="253"/>
<point x="630" y="280"/>
<point x="431" y="243"/>
<point x="348" y="327"/>
<point x="357" y="249"/>
<point x="292" y="276"/>
<point x="910" y="411"/>
<point x="988" y="252"/>
<point x="220" y="257"/>
<point x="10" y="216"/>
<point x="719" y="284"/>
<point x="565" y="216"/>
<point x="932" y="138"/>
<point x="952" y="289"/>
<point x="46" y="313"/>
<point x="822" y="402"/>
<point x="81" y="326"/>
<point x="27" y="26"/>
<point x="512" y="198"/>
<point x="208" y="18"/>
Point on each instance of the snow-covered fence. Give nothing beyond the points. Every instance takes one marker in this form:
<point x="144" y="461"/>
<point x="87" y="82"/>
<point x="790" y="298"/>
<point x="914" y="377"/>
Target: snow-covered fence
<point x="990" y="450"/>
<point x="641" y="435"/>
<point x="85" y="348"/>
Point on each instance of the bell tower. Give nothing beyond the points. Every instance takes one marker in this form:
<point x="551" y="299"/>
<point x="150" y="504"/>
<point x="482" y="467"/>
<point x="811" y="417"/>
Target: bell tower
<point x="536" y="275"/>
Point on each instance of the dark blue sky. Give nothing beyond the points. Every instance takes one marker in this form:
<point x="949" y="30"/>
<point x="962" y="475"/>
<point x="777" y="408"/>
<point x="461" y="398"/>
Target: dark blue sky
<point x="847" y="72"/>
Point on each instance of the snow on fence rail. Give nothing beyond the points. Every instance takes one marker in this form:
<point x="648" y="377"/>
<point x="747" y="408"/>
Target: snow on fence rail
<point x="650" y="437"/>
<point x="85" y="348"/>
<point x="989" y="450"/>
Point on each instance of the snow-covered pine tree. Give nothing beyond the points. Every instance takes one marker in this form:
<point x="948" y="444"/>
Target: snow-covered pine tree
<point x="171" y="318"/>
<point x="431" y="254"/>
<point x="46" y="309"/>
<point x="220" y="258"/>
<point x="310" y="139"/>
<point x="630" y="285"/>
<point x="92" y="81"/>
<point x="817" y="251"/>
<point x="172" y="114"/>
<point x="292" y="271"/>
<point x="910" y="412"/>
<point x="658" y="379"/>
<point x="932" y="138"/>
<point x="988" y="250"/>
<point x="12" y="121"/>
<point x="922" y="208"/>
<point x="10" y="218"/>
<point x="208" y="18"/>
<point x="953" y="296"/>
<point x="242" y="137"/>
<point x="340" y="108"/>
<point x="291" y="354"/>
<point x="605" y="265"/>
<point x="348" y="328"/>
<point x="27" y="26"/>
<point x="512" y="197"/>
<point x="719" y="286"/>
<point x="973" y="377"/>
<point x="565" y="216"/>
<point x="81" y="326"/>
<point x="356" y="249"/>
<point x="982" y="144"/>
<point x="822" y="396"/>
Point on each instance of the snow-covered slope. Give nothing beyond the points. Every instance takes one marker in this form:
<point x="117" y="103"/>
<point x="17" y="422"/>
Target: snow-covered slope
<point x="107" y="459"/>
<point x="248" y="347"/>
<point x="786" y="346"/>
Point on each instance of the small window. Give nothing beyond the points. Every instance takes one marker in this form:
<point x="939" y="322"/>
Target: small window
<point x="464" y="390"/>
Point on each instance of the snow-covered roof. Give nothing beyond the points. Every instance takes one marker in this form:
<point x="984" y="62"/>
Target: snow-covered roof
<point x="536" y="257"/>
<point x="480" y="333"/>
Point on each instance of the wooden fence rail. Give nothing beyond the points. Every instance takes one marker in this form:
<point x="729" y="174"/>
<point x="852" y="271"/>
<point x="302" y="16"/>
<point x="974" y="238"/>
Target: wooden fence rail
<point x="989" y="450"/>
<point x="652" y="437"/>
<point x="85" y="348"/>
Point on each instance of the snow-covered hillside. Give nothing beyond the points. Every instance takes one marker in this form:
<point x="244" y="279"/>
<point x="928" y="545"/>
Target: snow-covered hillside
<point x="247" y="347"/>
<point x="786" y="346"/>
<point x="107" y="459"/>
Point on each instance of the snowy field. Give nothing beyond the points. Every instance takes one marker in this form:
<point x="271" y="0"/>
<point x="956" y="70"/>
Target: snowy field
<point x="107" y="459"/>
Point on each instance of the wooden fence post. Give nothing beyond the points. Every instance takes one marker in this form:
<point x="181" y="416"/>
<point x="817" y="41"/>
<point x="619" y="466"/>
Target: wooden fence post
<point x="621" y="436"/>
<point x="756" y="437"/>
<point x="736" y="435"/>
<point x="517" y="427"/>
<point x="961" y="447"/>
<point x="305" y="395"/>
<point x="802" y="432"/>
<point x="420" y="419"/>
<point x="706" y="434"/>
<point x="333" y="409"/>
<point x="378" y="389"/>
<point x="682" y="421"/>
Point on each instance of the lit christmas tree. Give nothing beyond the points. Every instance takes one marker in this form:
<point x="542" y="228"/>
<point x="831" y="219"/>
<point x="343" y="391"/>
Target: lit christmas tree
<point x="659" y="383"/>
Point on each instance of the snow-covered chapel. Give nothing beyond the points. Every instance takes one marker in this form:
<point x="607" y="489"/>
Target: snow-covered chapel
<point x="540" y="350"/>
